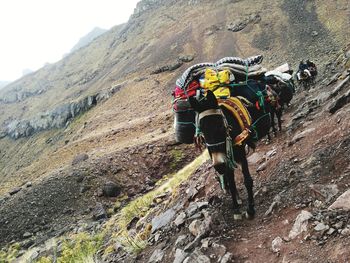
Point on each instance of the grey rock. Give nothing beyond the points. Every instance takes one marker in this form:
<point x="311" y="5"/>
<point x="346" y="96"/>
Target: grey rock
<point x="302" y="134"/>
<point x="58" y="117"/>
<point x="339" y="225"/>
<point x="34" y="256"/>
<point x="331" y="231"/>
<point x="321" y="227"/>
<point x="181" y="241"/>
<point x="186" y="58"/>
<point x="99" y="212"/>
<point x="180" y="219"/>
<point x="80" y="158"/>
<point x="276" y="201"/>
<point x="340" y="86"/>
<point x="197" y="257"/>
<point x="163" y="219"/>
<point x="191" y="192"/>
<point x="180" y="256"/>
<point x="271" y="153"/>
<point x="206" y="242"/>
<point x="340" y="102"/>
<point x="227" y="258"/>
<point x="300" y="224"/>
<point x="200" y="229"/>
<point x="255" y="158"/>
<point x="192" y="209"/>
<point x="27" y="234"/>
<point x="194" y="227"/>
<point x="261" y="167"/>
<point x="345" y="232"/>
<point x="218" y="250"/>
<point x="347" y="54"/>
<point x="240" y="24"/>
<point x="342" y="202"/>
<point x="157" y="256"/>
<point x="169" y="67"/>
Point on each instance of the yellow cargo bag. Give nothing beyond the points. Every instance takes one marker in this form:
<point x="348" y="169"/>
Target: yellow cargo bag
<point x="215" y="81"/>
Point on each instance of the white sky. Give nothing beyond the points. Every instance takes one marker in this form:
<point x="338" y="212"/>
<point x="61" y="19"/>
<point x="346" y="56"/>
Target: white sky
<point x="33" y="32"/>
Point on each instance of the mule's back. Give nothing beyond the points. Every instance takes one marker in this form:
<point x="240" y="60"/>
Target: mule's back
<point x="259" y="110"/>
<point x="252" y="90"/>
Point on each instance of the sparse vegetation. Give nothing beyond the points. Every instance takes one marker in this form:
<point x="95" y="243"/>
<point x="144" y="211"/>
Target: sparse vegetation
<point x="140" y="207"/>
<point x="79" y="248"/>
<point x="177" y="156"/>
<point x="9" y="254"/>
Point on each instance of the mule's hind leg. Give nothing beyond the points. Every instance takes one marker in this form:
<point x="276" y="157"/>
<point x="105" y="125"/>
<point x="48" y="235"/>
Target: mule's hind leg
<point x="229" y="177"/>
<point x="279" y="118"/>
<point x="248" y="182"/>
<point x="273" y="126"/>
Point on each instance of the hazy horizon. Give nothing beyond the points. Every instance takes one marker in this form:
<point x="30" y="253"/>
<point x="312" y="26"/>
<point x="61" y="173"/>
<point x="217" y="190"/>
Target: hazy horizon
<point x="40" y="32"/>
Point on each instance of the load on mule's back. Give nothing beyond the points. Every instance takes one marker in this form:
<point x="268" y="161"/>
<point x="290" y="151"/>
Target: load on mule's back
<point x="218" y="77"/>
<point x="231" y="111"/>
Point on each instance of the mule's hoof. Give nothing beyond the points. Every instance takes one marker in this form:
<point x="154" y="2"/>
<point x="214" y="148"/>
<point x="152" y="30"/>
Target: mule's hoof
<point x="250" y="214"/>
<point x="237" y="217"/>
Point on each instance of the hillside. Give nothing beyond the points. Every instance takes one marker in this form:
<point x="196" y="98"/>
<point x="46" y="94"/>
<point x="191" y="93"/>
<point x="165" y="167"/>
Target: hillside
<point x="101" y="118"/>
<point x="88" y="38"/>
<point x="3" y="84"/>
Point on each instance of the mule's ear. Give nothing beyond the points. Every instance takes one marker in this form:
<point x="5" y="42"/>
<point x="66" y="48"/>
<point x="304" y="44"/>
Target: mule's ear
<point x="211" y="98"/>
<point x="194" y="103"/>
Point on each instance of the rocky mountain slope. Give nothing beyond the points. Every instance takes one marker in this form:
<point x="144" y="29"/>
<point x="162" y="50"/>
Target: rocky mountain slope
<point x="79" y="134"/>
<point x="88" y="38"/>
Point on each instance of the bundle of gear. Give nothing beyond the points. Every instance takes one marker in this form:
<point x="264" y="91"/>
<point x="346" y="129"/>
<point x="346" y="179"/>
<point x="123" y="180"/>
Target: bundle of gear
<point x="219" y="77"/>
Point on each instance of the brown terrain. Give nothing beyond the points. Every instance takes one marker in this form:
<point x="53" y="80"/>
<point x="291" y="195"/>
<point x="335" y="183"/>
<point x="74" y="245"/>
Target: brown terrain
<point x="83" y="138"/>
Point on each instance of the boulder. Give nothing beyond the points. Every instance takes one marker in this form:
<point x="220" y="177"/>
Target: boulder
<point x="300" y="224"/>
<point x="157" y="256"/>
<point x="80" y="158"/>
<point x="342" y="202"/>
<point x="99" y="212"/>
<point x="197" y="257"/>
<point x="276" y="244"/>
<point x="163" y="219"/>
<point x="179" y="256"/>
<point x="111" y="189"/>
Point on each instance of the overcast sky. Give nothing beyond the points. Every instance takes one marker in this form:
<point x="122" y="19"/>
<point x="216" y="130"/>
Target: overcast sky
<point x="33" y="32"/>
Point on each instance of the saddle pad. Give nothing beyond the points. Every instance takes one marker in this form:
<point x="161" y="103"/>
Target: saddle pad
<point x="240" y="112"/>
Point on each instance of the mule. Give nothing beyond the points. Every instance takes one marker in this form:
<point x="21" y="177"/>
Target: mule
<point x="305" y="79"/>
<point x="219" y="128"/>
<point x="283" y="91"/>
<point x="313" y="72"/>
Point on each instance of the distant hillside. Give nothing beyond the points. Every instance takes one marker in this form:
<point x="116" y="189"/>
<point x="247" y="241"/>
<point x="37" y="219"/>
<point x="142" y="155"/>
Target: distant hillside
<point x="3" y="84"/>
<point x="85" y="40"/>
<point x="137" y="63"/>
